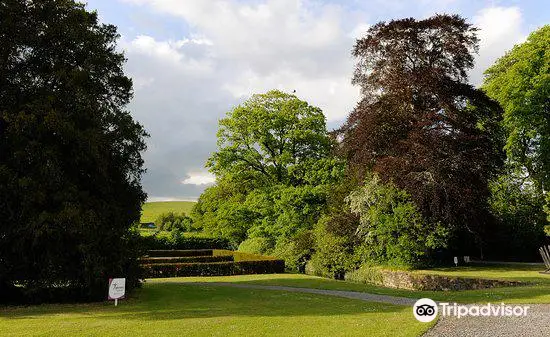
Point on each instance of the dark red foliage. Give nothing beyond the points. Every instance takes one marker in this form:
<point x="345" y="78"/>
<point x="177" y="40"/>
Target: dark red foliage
<point x="419" y="123"/>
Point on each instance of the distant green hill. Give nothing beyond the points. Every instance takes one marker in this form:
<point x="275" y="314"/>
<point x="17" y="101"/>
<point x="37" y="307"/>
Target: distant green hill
<point x="151" y="210"/>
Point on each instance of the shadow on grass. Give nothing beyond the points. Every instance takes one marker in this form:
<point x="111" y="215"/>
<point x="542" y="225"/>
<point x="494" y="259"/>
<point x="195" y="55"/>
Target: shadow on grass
<point x="173" y="301"/>
<point x="518" y="294"/>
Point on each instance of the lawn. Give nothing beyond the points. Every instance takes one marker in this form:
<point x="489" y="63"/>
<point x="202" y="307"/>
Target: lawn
<point x="539" y="292"/>
<point x="171" y="309"/>
<point x="151" y="210"/>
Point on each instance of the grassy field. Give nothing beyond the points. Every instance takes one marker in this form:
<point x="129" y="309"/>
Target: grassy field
<point x="151" y="210"/>
<point x="171" y="309"/>
<point x="539" y="292"/>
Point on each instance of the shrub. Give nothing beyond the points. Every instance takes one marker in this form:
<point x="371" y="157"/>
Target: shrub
<point x="296" y="251"/>
<point x="256" y="245"/>
<point x="174" y="221"/>
<point x="171" y="241"/>
<point x="186" y="259"/>
<point x="365" y="274"/>
<point x="180" y="253"/>
<point x="334" y="254"/>
<point x="391" y="226"/>
<point x="267" y="266"/>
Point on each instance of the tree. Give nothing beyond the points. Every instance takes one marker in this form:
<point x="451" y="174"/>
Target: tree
<point x="520" y="82"/>
<point x="70" y="154"/>
<point x="518" y="207"/>
<point x="272" y="138"/>
<point x="273" y="170"/>
<point x="170" y="221"/>
<point x="420" y="125"/>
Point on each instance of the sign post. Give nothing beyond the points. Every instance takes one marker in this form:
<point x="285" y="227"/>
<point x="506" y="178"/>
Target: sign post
<point x="117" y="289"/>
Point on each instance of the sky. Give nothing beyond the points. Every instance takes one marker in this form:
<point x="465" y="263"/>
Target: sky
<point x="192" y="61"/>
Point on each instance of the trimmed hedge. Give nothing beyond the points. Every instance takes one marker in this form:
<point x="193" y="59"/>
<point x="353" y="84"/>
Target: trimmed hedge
<point x="198" y="259"/>
<point x="180" y="253"/>
<point x="213" y="268"/>
<point x="182" y="242"/>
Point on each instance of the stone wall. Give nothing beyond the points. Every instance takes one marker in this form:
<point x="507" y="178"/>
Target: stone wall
<point x="417" y="281"/>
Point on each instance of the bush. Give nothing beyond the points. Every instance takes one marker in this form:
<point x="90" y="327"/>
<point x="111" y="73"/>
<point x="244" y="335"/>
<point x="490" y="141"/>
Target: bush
<point x="186" y="259"/>
<point x="296" y="251"/>
<point x="175" y="241"/>
<point x="334" y="254"/>
<point x="256" y="245"/>
<point x="170" y="221"/>
<point x="391" y="226"/>
<point x="270" y="266"/>
<point x="180" y="253"/>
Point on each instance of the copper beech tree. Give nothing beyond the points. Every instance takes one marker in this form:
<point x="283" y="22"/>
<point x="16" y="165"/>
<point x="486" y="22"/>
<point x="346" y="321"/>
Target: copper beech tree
<point x="420" y="124"/>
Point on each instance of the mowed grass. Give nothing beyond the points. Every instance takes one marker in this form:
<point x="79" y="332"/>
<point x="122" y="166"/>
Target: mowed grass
<point x="538" y="292"/>
<point x="151" y="210"/>
<point x="171" y="309"/>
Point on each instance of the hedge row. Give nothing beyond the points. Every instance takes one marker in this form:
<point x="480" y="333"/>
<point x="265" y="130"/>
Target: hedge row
<point x="213" y="268"/>
<point x="198" y="259"/>
<point x="181" y="253"/>
<point x="182" y="242"/>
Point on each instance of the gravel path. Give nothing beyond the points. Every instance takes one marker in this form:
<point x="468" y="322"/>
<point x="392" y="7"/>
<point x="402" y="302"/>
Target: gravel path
<point x="340" y="293"/>
<point x="535" y="324"/>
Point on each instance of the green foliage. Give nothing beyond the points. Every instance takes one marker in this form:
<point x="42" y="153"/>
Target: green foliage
<point x="391" y="226"/>
<point x="70" y="163"/>
<point x="186" y="259"/>
<point x="241" y="263"/>
<point x="271" y="138"/>
<point x="174" y="221"/>
<point x="518" y="208"/>
<point x="256" y="245"/>
<point x="220" y="212"/>
<point x="295" y="251"/>
<point x="365" y="274"/>
<point x="422" y="126"/>
<point x="180" y="252"/>
<point x="274" y="169"/>
<point x="334" y="254"/>
<point x="172" y="240"/>
<point x="520" y="82"/>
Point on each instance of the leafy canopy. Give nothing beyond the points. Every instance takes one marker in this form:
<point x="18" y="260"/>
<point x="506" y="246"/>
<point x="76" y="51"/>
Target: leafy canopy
<point x="70" y="154"/>
<point x="520" y="82"/>
<point x="419" y="124"/>
<point x="272" y="138"/>
<point x="274" y="166"/>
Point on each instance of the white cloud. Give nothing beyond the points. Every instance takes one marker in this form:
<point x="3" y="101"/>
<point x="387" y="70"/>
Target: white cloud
<point x="359" y="30"/>
<point x="284" y="44"/>
<point x="234" y="49"/>
<point x="500" y="30"/>
<point x="200" y="178"/>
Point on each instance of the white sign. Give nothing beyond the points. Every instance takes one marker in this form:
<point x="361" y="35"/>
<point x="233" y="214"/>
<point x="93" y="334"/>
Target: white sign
<point x="117" y="288"/>
<point x="456" y="260"/>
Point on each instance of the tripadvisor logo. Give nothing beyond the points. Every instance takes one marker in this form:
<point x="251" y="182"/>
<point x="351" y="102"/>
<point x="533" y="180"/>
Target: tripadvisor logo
<point x="425" y="310"/>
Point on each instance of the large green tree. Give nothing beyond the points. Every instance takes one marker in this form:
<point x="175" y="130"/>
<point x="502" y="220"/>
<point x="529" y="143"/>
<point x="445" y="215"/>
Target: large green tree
<point x="520" y="82"/>
<point x="272" y="138"/>
<point x="420" y="124"/>
<point x="70" y="162"/>
<point x="274" y="166"/>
